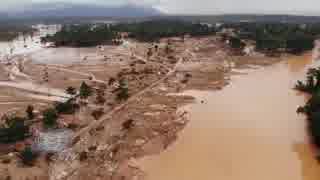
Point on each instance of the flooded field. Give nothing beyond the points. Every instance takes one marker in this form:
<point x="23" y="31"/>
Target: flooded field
<point x="29" y="43"/>
<point x="63" y="55"/>
<point x="249" y="130"/>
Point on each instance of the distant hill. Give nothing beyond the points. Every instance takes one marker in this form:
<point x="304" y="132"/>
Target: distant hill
<point x="58" y="10"/>
<point x="234" y="18"/>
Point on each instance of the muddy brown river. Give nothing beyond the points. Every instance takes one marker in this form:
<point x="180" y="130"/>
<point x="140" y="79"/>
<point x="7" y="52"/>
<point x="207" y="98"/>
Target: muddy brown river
<point x="247" y="131"/>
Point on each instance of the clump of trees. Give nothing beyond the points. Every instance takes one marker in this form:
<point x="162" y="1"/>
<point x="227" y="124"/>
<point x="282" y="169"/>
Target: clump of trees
<point x="28" y="157"/>
<point x="312" y="83"/>
<point x="71" y="91"/>
<point x="291" y="38"/>
<point x="50" y="117"/>
<point x="15" y="129"/>
<point x="82" y="36"/>
<point x="29" y="112"/>
<point x="155" y="29"/>
<point x="9" y="32"/>
<point x="236" y="43"/>
<point x="68" y="107"/>
<point x="312" y="108"/>
<point x="85" y="91"/>
<point x="122" y="92"/>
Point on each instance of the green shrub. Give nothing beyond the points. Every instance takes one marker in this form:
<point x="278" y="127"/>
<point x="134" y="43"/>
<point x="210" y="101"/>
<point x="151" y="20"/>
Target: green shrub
<point x="66" y="107"/>
<point x="71" y="91"/>
<point x="50" y="117"/>
<point x="122" y="91"/>
<point x="28" y="156"/>
<point x="14" y="130"/>
<point x="85" y="91"/>
<point x="29" y="112"/>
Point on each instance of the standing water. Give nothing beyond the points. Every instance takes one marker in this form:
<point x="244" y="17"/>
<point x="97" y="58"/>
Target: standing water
<point x="24" y="44"/>
<point x="247" y="131"/>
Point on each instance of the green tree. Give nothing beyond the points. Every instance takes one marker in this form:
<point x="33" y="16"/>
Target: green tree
<point x="50" y="117"/>
<point x="68" y="107"/>
<point x="236" y="43"/>
<point x="28" y="157"/>
<point x="85" y="91"/>
<point x="14" y="130"/>
<point x="122" y="91"/>
<point x="29" y="112"/>
<point x="71" y="91"/>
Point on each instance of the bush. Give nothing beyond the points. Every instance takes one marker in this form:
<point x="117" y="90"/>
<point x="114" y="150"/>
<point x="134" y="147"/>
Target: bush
<point x="128" y="124"/>
<point x="96" y="114"/>
<point x="85" y="91"/>
<point x="236" y="43"/>
<point x="15" y="130"/>
<point x="28" y="156"/>
<point x="50" y="117"/>
<point x="66" y="107"/>
<point x="71" y="91"/>
<point x="29" y="112"/>
<point x="111" y="81"/>
<point x="312" y="107"/>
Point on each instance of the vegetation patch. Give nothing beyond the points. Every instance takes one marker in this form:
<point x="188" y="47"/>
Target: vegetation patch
<point x="312" y="108"/>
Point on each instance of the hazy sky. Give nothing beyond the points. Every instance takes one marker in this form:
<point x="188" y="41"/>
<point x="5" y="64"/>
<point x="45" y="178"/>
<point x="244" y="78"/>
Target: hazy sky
<point x="309" y="7"/>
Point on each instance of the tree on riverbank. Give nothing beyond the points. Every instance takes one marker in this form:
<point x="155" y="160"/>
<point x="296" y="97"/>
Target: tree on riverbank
<point x="28" y="157"/>
<point x="15" y="129"/>
<point x="278" y="37"/>
<point x="312" y="108"/>
<point x="82" y="36"/>
<point x="71" y="91"/>
<point x="29" y="112"/>
<point x="50" y="117"/>
<point x="85" y="91"/>
<point x="122" y="90"/>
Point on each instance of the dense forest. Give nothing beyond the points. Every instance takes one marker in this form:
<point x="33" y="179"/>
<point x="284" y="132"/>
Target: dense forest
<point x="269" y="37"/>
<point x="154" y="30"/>
<point x="82" y="35"/>
<point x="147" y="31"/>
<point x="292" y="38"/>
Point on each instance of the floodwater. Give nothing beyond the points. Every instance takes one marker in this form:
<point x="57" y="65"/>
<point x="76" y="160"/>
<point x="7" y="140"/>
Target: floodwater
<point x="247" y="131"/>
<point x="64" y="55"/>
<point x="27" y="44"/>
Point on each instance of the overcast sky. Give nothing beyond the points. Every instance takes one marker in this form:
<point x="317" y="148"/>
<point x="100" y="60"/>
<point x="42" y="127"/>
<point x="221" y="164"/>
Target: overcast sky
<point x="307" y="7"/>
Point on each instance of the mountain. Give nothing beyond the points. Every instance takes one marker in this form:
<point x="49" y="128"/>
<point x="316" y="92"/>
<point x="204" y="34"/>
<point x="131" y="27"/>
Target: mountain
<point x="43" y="10"/>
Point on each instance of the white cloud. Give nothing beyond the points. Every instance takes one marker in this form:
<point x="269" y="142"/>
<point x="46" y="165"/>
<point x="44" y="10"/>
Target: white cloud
<point x="201" y="6"/>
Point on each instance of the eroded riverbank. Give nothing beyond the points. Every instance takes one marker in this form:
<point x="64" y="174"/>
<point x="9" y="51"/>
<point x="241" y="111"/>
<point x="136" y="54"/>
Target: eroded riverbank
<point x="248" y="130"/>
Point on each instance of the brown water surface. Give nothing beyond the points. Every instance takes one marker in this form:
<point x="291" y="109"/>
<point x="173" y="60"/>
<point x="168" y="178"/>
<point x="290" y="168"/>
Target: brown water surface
<point x="247" y="131"/>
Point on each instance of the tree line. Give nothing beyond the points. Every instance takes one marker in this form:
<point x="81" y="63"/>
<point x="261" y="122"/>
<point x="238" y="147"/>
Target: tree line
<point x="10" y="32"/>
<point x="281" y="37"/>
<point x="148" y="31"/>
